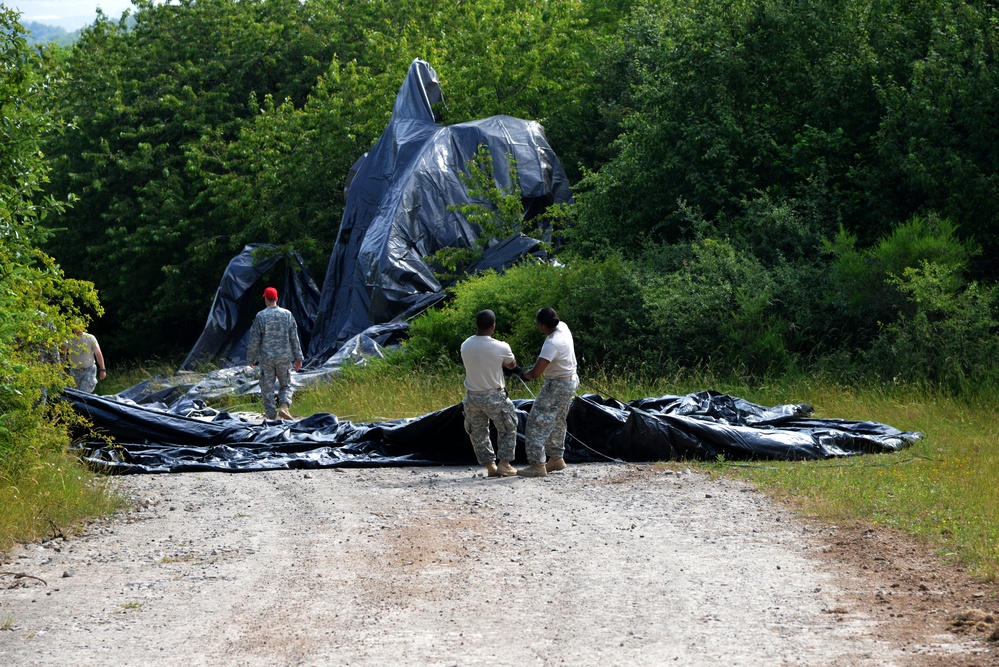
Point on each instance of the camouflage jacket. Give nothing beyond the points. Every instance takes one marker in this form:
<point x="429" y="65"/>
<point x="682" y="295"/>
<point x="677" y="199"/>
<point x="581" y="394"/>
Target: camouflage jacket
<point x="273" y="337"/>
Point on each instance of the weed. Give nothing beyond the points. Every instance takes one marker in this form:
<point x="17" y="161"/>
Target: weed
<point x="184" y="558"/>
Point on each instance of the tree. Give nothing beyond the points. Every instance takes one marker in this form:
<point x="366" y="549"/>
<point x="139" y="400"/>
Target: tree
<point x="724" y="103"/>
<point x="141" y="99"/>
<point x="38" y="304"/>
<point x="938" y="140"/>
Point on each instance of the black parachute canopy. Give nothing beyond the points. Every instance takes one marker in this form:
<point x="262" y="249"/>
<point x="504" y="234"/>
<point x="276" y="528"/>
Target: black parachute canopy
<point x="150" y="437"/>
<point x="396" y="214"/>
<point x="396" y="209"/>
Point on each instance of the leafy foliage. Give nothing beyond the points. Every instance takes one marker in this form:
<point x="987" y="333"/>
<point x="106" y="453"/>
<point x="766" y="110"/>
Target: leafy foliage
<point x="512" y="295"/>
<point x="38" y="304"/>
<point x="948" y="337"/>
<point x="496" y="209"/>
<point x="141" y="98"/>
<point x="857" y="114"/>
<point x="865" y="283"/>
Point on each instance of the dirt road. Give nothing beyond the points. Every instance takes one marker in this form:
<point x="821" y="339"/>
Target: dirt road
<point x="598" y="565"/>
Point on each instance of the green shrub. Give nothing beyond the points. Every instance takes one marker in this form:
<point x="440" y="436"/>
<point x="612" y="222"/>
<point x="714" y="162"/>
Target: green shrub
<point x="514" y="296"/>
<point x="862" y="285"/>
<point x="947" y="335"/>
<point x="717" y="308"/>
<point x="40" y="483"/>
<point x="599" y="300"/>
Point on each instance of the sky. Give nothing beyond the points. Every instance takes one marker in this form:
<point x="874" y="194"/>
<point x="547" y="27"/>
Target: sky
<point x="68" y="14"/>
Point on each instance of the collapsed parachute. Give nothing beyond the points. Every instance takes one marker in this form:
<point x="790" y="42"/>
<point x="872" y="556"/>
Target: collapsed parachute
<point x="149" y="438"/>
<point x="396" y="214"/>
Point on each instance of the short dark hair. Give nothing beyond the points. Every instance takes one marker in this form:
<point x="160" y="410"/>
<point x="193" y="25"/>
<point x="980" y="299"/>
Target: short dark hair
<point x="485" y="319"/>
<point x="548" y="317"/>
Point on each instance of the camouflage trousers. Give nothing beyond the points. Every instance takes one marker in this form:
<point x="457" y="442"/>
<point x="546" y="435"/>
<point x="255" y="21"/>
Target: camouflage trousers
<point x="479" y="410"/>
<point x="545" y="433"/>
<point x="271" y="372"/>
<point x="85" y="378"/>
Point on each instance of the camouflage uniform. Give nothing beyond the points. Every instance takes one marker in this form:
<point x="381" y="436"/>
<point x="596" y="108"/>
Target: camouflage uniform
<point x="545" y="432"/>
<point x="479" y="409"/>
<point x="274" y="345"/>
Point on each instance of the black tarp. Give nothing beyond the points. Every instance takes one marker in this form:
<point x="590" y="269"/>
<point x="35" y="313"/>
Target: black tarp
<point x="702" y="426"/>
<point x="239" y="297"/>
<point x="396" y="214"/>
<point x="396" y="210"/>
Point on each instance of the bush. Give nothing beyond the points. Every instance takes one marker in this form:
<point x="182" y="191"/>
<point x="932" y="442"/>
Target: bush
<point x="863" y="285"/>
<point x="949" y="337"/>
<point x="514" y="296"/>
<point x="718" y="309"/>
<point x="599" y="300"/>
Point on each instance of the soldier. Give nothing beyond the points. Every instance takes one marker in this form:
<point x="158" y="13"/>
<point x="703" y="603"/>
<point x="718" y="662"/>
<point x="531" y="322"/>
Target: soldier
<point x="545" y="431"/>
<point x="275" y="346"/>
<point x="485" y="397"/>
<point x="86" y="361"/>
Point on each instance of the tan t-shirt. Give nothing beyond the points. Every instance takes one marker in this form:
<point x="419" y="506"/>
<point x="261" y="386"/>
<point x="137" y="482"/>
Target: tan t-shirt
<point x="484" y="357"/>
<point x="81" y="351"/>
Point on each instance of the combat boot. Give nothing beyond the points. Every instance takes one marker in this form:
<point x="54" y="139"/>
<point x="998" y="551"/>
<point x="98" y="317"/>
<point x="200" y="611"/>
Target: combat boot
<point x="504" y="469"/>
<point x="284" y="412"/>
<point x="534" y="470"/>
<point x="491" y="469"/>
<point x="555" y="464"/>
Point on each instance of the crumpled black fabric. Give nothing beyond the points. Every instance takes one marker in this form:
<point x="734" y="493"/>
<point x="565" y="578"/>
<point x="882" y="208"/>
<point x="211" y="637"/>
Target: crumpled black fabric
<point x="698" y="426"/>
<point x="396" y="212"/>
<point x="239" y="297"/>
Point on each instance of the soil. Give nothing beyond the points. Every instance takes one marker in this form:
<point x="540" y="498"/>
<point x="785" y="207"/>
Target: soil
<point x="602" y="564"/>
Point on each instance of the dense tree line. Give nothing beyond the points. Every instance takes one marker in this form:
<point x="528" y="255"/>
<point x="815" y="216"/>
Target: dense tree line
<point x="761" y="184"/>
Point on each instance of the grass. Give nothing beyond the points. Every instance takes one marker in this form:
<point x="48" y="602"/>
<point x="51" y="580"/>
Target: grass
<point x="382" y="392"/>
<point x="44" y="490"/>
<point x="51" y="497"/>
<point x="130" y="373"/>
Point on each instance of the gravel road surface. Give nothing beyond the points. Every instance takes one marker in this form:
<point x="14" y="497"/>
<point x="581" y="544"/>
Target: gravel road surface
<point x="602" y="564"/>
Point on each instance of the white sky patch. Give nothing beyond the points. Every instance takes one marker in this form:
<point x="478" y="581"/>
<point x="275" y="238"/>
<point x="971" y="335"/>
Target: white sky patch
<point x="68" y="14"/>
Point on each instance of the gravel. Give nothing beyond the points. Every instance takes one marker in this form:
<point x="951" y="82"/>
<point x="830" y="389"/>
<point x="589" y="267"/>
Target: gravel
<point x="601" y="564"/>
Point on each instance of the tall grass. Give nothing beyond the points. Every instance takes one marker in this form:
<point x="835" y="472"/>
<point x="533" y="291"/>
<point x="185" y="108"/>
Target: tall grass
<point x="44" y="489"/>
<point x="51" y="498"/>
<point x="121" y="376"/>
<point x="383" y="391"/>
